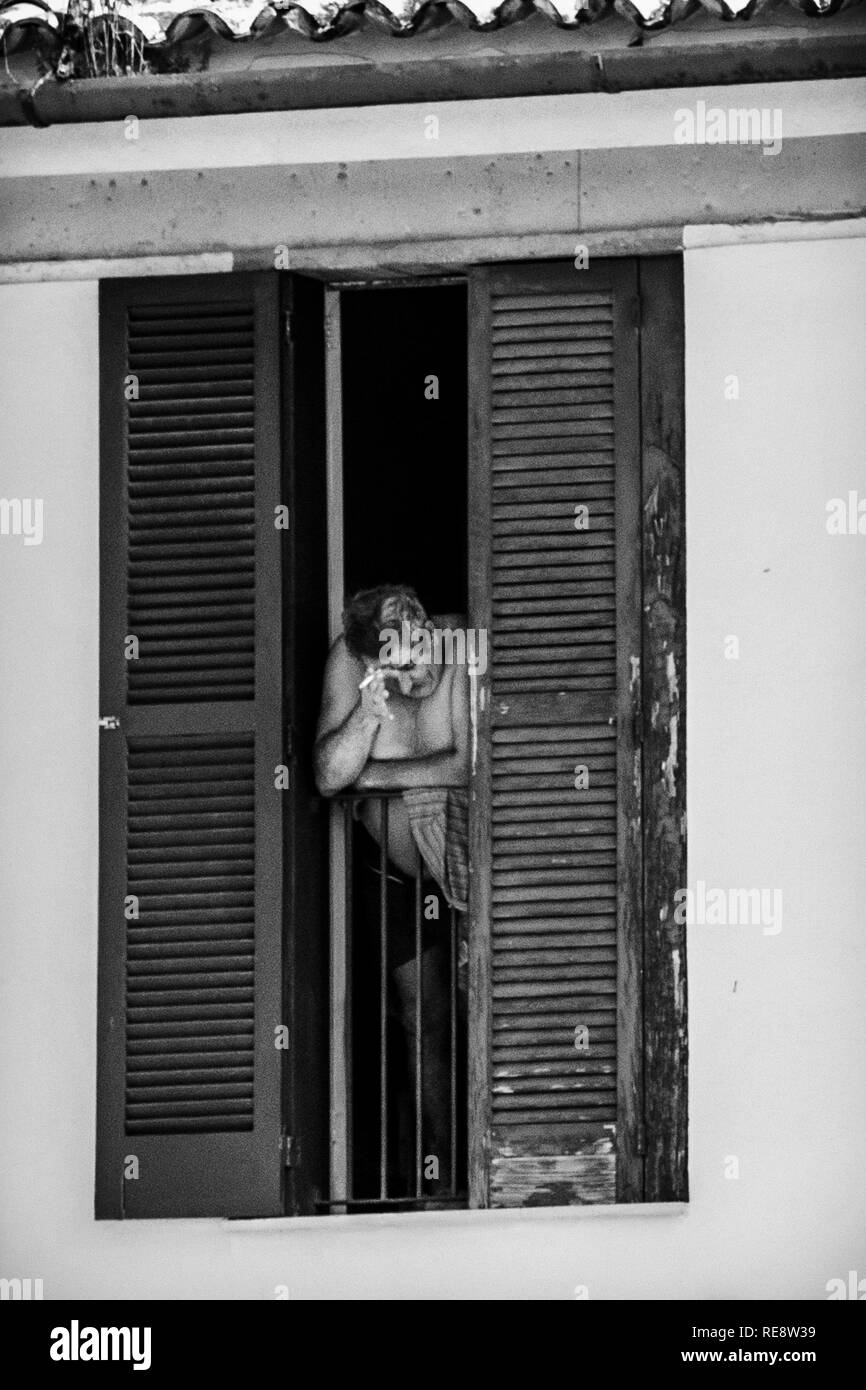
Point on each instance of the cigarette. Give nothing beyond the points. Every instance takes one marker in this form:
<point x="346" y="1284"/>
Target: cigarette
<point x="367" y="680"/>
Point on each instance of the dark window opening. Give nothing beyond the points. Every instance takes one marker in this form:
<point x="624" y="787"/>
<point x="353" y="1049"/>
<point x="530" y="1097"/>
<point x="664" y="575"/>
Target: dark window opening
<point x="404" y="441"/>
<point x="405" y="463"/>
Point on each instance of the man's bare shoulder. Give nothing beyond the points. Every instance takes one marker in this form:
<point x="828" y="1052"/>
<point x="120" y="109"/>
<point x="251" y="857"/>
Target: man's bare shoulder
<point x="342" y="663"/>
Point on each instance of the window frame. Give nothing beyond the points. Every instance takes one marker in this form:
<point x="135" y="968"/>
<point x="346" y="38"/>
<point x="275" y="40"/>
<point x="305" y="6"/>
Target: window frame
<point x="661" y="352"/>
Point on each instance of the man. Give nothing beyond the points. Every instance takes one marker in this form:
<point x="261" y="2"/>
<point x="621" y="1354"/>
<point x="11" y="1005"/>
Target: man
<point x="391" y="720"/>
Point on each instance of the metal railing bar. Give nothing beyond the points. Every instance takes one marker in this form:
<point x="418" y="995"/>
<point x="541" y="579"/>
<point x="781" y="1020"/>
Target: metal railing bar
<point x="343" y="1114"/>
<point x="339" y="991"/>
<point x="347" y="1020"/>
<point x="418" y="1040"/>
<point x="380" y="794"/>
<point x="412" y="1202"/>
<point x="383" y="1003"/>
<point x="453" y="1022"/>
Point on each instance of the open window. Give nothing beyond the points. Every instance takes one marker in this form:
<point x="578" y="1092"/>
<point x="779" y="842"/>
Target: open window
<point x="398" y="403"/>
<point x="511" y="444"/>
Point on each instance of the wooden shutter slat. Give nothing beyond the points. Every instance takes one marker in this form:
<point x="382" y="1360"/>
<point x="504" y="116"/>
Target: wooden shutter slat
<point x="533" y="299"/>
<point x="593" y="643"/>
<point x="590" y="470"/>
<point x="213" y="502"/>
<point x="176" y="947"/>
<point x="186" y="327"/>
<point x="575" y="332"/>
<point x="231" y="412"/>
<point x="534" y="589"/>
<point x="548" y="535"/>
<point x="201" y="383"/>
<point x="534" y="346"/>
<point x="197" y="337"/>
<point x="154" y="1038"/>
<point x="512" y="389"/>
<point x="186" y="311"/>
<point x="542" y="416"/>
<point x="521" y="404"/>
<point x="225" y="642"/>
<point x="169" y="487"/>
<point x="509" y="611"/>
<point x="189" y="567"/>
<point x="234" y="350"/>
<point x="576" y="314"/>
<point x="549" y="1062"/>
<point x="515" y="1044"/>
<point x="547" y="426"/>
<point x="592" y="736"/>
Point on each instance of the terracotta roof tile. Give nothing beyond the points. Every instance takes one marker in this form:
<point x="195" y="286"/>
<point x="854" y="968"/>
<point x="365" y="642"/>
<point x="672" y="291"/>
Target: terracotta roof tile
<point x="163" y="22"/>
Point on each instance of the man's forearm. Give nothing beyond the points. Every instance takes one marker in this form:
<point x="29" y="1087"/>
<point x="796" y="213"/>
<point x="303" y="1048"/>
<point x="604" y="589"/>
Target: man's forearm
<point x="341" y="755"/>
<point x="436" y="770"/>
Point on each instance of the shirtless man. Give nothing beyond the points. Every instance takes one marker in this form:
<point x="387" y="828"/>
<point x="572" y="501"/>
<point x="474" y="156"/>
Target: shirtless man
<point x="386" y="725"/>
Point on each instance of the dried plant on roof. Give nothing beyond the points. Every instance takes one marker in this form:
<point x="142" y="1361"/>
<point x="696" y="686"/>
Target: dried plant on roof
<point x="99" y="41"/>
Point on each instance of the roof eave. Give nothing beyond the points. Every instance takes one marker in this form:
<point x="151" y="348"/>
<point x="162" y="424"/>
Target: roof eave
<point x="835" y="48"/>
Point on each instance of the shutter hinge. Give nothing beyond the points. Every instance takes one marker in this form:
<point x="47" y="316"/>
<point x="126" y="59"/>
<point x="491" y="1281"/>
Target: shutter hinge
<point x="287" y="326"/>
<point x="109" y="721"/>
<point x="291" y="1151"/>
<point x="640" y="1139"/>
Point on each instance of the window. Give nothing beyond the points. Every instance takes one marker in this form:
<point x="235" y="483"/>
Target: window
<point x="214" y="1051"/>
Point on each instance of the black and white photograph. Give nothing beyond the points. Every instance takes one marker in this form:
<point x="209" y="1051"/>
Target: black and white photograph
<point x="433" y="680"/>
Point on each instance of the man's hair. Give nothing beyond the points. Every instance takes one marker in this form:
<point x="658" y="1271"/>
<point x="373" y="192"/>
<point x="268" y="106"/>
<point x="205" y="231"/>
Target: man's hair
<point x="369" y="611"/>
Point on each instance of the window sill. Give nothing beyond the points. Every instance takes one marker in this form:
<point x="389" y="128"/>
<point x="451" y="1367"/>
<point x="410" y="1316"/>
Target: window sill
<point x="276" y="1225"/>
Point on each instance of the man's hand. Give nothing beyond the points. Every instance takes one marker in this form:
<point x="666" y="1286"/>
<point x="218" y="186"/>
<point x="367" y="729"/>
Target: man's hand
<point x="354" y="707"/>
<point x="374" y="696"/>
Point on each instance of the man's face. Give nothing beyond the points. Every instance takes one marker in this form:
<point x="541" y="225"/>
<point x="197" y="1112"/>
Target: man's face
<point x="414" y="680"/>
<point x="410" y="671"/>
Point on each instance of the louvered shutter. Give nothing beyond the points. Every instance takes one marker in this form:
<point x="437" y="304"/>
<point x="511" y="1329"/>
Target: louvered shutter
<point x="555" y="824"/>
<point x="192" y="830"/>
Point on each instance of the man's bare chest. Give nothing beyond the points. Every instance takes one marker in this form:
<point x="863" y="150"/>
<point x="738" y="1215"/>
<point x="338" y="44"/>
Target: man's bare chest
<point x="418" y="727"/>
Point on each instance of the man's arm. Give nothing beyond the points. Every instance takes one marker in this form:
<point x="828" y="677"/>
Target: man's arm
<point x="447" y="769"/>
<point x="394" y="774"/>
<point x="348" y="722"/>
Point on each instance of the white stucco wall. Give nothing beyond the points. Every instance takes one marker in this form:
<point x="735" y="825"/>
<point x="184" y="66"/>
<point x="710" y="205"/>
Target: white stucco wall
<point x="777" y="756"/>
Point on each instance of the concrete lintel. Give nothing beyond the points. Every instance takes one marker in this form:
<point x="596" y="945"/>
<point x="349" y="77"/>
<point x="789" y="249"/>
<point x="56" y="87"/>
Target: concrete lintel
<point x="398" y="209"/>
<point x="350" y="263"/>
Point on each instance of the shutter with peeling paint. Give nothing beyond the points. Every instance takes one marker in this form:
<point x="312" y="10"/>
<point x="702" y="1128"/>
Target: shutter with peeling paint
<point x="555" y="828"/>
<point x="194" y="831"/>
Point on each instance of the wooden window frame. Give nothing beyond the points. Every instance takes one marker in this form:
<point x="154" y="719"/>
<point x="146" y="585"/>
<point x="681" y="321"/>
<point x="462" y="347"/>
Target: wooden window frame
<point x="663" y="966"/>
<point x="663" y="699"/>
